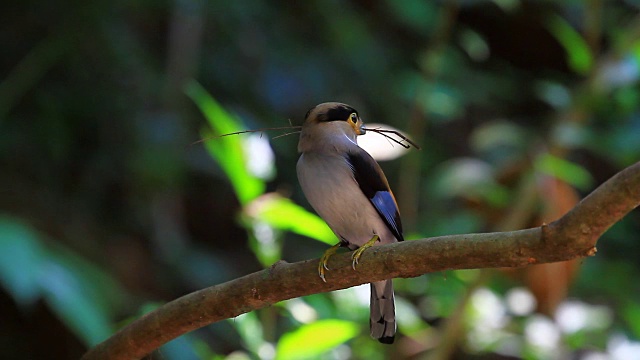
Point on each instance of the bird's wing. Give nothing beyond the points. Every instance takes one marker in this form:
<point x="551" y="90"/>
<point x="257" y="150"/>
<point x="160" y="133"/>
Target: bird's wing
<point x="375" y="187"/>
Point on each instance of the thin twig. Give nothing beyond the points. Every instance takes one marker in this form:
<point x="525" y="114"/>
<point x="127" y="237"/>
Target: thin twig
<point x="285" y="134"/>
<point x="245" y="132"/>
<point x="396" y="133"/>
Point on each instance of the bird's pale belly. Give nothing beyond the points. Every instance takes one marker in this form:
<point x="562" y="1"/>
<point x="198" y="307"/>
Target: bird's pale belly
<point x="352" y="217"/>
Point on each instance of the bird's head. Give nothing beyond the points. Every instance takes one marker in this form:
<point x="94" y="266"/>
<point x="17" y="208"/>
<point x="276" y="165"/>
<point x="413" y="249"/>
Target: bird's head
<point x="330" y="124"/>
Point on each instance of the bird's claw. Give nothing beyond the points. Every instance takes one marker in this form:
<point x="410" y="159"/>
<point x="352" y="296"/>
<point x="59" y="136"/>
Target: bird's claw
<point x="359" y="251"/>
<point x="321" y="268"/>
<point x="323" y="265"/>
<point x="324" y="261"/>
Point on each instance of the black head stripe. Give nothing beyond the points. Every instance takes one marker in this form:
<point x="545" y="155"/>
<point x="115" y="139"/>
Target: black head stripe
<point x="338" y="112"/>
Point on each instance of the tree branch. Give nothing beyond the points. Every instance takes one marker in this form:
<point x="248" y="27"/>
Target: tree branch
<point x="572" y="236"/>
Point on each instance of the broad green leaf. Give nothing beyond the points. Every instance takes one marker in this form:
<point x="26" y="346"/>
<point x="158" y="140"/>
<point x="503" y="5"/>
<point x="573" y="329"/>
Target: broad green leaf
<point x="67" y="296"/>
<point x="564" y="170"/>
<point x="102" y="290"/>
<point x="314" y="339"/>
<point x="579" y="55"/>
<point x="21" y="256"/>
<point x="227" y="150"/>
<point x="79" y="293"/>
<point x="283" y="214"/>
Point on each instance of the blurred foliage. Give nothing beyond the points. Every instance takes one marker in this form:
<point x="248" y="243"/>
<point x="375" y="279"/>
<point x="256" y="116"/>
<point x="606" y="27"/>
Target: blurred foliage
<point x="79" y="293"/>
<point x="106" y="210"/>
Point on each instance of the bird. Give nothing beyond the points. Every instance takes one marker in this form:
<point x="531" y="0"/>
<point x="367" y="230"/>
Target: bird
<point x="347" y="188"/>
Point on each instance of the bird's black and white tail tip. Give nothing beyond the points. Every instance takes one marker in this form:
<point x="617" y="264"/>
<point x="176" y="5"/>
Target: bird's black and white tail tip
<point x="383" y="313"/>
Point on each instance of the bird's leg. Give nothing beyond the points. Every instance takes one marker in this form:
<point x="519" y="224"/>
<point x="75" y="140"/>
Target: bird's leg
<point x="322" y="266"/>
<point x="358" y="252"/>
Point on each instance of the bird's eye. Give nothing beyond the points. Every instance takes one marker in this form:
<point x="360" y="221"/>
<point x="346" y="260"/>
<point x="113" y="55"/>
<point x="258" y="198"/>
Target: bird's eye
<point x="354" y="118"/>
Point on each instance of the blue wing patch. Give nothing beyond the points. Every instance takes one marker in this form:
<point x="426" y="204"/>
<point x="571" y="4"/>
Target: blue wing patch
<point x="373" y="184"/>
<point x="386" y="206"/>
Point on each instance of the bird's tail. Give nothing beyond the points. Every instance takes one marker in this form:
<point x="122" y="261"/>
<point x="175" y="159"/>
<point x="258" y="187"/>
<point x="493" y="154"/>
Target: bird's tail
<point x="383" y="313"/>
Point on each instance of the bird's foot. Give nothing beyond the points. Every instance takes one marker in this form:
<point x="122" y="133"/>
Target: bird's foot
<point x="358" y="252"/>
<point x="322" y="266"/>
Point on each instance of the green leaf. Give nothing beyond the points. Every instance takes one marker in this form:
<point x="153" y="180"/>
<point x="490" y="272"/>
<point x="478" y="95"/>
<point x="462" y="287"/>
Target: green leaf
<point x="228" y="150"/>
<point x="635" y="51"/>
<point x="564" y="170"/>
<point x="283" y="214"/>
<point x="314" y="339"/>
<point x="79" y="293"/>
<point x="579" y="54"/>
<point x="67" y="296"/>
<point x="21" y="257"/>
<point x="631" y="315"/>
